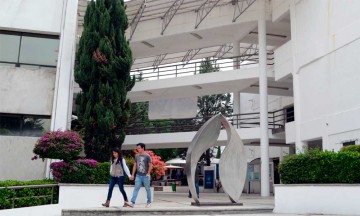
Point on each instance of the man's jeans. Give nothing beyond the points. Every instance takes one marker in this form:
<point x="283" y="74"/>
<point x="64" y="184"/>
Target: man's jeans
<point x="139" y="180"/>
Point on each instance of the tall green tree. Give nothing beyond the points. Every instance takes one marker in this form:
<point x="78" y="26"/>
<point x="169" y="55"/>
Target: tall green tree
<point x="210" y="105"/>
<point x="102" y="70"/>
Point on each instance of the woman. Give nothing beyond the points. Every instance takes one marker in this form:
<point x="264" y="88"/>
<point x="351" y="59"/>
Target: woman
<point x="118" y="168"/>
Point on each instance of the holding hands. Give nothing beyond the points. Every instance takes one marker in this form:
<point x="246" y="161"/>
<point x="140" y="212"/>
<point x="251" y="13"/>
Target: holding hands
<point x="131" y="177"/>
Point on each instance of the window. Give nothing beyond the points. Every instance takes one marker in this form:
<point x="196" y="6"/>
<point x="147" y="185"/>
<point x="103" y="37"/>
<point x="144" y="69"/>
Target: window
<point x="349" y="143"/>
<point x="18" y="48"/>
<point x="9" y="47"/>
<point x="289" y="111"/>
<point x="23" y="125"/>
<point x="315" y="144"/>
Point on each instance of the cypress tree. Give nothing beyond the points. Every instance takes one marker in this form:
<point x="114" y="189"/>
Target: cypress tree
<point x="102" y="70"/>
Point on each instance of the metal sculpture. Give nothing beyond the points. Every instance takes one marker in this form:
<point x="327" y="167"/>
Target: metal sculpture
<point x="232" y="165"/>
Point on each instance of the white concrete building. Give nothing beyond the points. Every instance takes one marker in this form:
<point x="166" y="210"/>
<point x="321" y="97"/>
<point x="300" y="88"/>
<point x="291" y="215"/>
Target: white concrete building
<point x="311" y="77"/>
<point x="37" y="47"/>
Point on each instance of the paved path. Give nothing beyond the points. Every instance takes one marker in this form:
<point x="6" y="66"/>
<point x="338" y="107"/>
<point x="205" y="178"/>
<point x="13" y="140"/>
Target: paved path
<point x="166" y="203"/>
<point x="170" y="203"/>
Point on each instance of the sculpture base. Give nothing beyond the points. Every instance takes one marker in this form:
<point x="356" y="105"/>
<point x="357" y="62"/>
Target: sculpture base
<point x="216" y="204"/>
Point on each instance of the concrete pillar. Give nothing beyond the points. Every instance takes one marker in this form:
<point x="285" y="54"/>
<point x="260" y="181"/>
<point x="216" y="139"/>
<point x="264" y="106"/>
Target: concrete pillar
<point x="236" y="52"/>
<point x="264" y="141"/>
<point x="63" y="93"/>
<point x="281" y="156"/>
<point x="236" y="65"/>
<point x="236" y="107"/>
<point x="300" y="146"/>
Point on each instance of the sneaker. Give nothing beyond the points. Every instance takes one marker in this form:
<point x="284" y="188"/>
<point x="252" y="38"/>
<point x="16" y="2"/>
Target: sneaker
<point x="148" y="205"/>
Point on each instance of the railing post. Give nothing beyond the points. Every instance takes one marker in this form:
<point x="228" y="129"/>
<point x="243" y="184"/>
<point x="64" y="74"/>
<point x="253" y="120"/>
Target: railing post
<point x="13" y="200"/>
<point x="52" y="194"/>
<point x="175" y="70"/>
<point x="195" y="69"/>
<point x="158" y="74"/>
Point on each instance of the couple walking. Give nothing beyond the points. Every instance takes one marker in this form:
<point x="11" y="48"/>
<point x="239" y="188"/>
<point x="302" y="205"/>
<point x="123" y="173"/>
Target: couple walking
<point x="118" y="169"/>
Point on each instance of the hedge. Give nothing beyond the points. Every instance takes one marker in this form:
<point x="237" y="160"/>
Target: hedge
<point x="321" y="167"/>
<point x="351" y="148"/>
<point x="25" y="197"/>
<point x="83" y="174"/>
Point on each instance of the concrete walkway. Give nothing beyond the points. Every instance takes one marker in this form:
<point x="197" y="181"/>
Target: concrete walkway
<point x="165" y="203"/>
<point x="170" y="203"/>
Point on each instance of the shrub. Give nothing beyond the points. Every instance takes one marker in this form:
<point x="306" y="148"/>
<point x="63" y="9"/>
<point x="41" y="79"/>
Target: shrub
<point x="9" y="183"/>
<point x="64" y="145"/>
<point x="24" y="197"/>
<point x="102" y="172"/>
<point x="351" y="148"/>
<point x="158" y="165"/>
<point x="78" y="171"/>
<point x="321" y="167"/>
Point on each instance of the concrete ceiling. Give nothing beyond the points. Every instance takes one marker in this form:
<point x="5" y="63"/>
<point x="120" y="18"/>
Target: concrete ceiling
<point x="176" y="42"/>
<point x="244" y="80"/>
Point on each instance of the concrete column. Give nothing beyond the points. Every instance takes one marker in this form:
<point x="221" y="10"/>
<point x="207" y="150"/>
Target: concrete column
<point x="236" y="52"/>
<point x="236" y="106"/>
<point x="236" y="65"/>
<point x="62" y="104"/>
<point x="264" y="141"/>
<point x="300" y="146"/>
<point x="281" y="156"/>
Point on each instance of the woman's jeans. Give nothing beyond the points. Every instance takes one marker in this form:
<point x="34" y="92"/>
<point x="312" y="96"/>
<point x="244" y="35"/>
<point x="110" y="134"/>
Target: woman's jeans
<point x="139" y="180"/>
<point x="120" y="182"/>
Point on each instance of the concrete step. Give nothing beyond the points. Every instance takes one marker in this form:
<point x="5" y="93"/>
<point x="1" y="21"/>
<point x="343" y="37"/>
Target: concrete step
<point x="223" y="210"/>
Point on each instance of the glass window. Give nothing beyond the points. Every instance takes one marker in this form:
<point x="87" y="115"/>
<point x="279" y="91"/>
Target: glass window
<point x="10" y="125"/>
<point x="9" y="47"/>
<point x="21" y="125"/>
<point x="348" y="143"/>
<point x="39" y="51"/>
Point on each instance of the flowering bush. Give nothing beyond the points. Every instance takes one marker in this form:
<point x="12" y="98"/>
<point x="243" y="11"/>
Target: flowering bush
<point x="78" y="171"/>
<point x="65" y="145"/>
<point x="158" y="165"/>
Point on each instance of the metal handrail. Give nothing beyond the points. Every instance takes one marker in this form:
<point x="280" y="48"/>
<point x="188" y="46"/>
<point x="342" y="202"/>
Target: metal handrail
<point x="276" y="119"/>
<point x="193" y="68"/>
<point x="52" y="186"/>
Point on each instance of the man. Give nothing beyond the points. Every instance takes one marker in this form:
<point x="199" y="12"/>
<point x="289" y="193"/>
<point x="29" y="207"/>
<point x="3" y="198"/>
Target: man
<point x="143" y="168"/>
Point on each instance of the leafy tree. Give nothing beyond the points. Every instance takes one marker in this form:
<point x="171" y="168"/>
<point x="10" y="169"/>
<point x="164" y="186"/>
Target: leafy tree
<point x="210" y="105"/>
<point x="102" y="70"/>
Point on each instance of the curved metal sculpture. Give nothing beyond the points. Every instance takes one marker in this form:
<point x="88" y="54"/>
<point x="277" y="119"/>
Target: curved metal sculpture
<point x="232" y="165"/>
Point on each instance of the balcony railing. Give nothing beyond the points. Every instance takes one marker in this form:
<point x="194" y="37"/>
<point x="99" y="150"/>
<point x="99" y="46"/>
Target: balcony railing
<point x="193" y="68"/>
<point x="276" y="119"/>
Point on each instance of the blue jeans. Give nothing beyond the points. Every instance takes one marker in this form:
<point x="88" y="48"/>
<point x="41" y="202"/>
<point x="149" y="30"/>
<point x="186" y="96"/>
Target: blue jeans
<point x="120" y="182"/>
<point x="196" y="189"/>
<point x="139" y="180"/>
